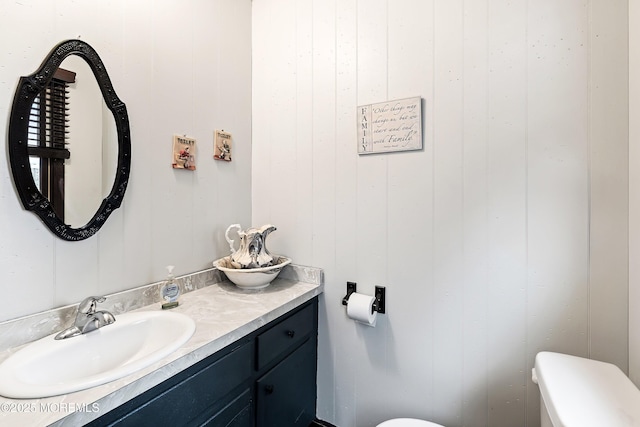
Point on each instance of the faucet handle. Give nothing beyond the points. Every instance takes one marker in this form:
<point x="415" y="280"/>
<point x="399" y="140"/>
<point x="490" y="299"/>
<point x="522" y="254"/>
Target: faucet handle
<point x="88" y="305"/>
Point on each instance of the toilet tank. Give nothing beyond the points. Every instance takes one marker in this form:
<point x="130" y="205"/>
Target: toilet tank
<point x="579" y="392"/>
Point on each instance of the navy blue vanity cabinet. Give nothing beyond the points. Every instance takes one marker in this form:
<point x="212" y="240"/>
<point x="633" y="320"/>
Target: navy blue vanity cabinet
<point x="265" y="379"/>
<point x="286" y="395"/>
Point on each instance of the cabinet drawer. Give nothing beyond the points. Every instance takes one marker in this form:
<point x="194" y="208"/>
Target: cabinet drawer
<point x="195" y="396"/>
<point x="284" y="336"/>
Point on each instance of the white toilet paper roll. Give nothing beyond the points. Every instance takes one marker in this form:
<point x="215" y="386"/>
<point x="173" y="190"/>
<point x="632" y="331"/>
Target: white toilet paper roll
<point x="360" y="309"/>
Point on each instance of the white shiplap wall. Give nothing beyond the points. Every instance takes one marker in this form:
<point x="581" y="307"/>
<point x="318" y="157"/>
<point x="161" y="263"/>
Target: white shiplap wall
<point x="505" y="236"/>
<point x="634" y="193"/>
<point x="180" y="67"/>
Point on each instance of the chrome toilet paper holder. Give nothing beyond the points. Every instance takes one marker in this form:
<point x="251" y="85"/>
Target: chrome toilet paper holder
<point x="380" y="295"/>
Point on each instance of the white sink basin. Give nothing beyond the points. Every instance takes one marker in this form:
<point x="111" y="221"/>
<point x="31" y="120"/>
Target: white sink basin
<point x="49" y="367"/>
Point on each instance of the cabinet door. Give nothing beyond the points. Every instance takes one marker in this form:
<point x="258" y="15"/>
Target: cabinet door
<point x="237" y="413"/>
<point x="200" y="393"/>
<point x="286" y="395"/>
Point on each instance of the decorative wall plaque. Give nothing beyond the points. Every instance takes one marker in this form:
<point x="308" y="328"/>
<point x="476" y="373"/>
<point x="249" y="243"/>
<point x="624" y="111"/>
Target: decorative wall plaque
<point x="222" y="146"/>
<point x="184" y="153"/>
<point x="390" y="126"/>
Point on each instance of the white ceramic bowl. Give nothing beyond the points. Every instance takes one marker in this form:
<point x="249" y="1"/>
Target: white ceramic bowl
<point x="251" y="278"/>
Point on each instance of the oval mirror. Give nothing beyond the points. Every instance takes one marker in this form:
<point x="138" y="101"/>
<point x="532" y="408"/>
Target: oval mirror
<point x="69" y="142"/>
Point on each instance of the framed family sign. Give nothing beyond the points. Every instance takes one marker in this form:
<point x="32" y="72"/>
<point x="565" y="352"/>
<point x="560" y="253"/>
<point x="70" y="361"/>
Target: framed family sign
<point x="390" y="126"/>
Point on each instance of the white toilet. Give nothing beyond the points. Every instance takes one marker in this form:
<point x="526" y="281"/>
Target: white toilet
<point x="407" y="422"/>
<point x="579" y="392"/>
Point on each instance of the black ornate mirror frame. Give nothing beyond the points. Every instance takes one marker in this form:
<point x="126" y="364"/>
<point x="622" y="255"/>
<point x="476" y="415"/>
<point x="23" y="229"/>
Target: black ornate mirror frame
<point x="28" y="88"/>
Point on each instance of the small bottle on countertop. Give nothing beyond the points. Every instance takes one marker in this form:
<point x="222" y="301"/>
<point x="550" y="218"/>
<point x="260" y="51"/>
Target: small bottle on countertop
<point x="170" y="291"/>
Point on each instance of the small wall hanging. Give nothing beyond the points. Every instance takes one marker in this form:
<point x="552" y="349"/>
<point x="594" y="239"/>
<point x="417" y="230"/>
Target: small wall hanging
<point x="184" y="153"/>
<point x="390" y="126"/>
<point x="222" y="146"/>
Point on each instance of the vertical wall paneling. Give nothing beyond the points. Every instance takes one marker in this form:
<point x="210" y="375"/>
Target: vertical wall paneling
<point x="139" y="18"/>
<point x="218" y="64"/>
<point x="343" y="340"/>
<point x="558" y="192"/>
<point x="447" y="211"/>
<point x="261" y="92"/>
<point x="475" y="280"/>
<point x="324" y="130"/>
<point x="371" y="209"/>
<point x="69" y="279"/>
<point x="634" y="193"/>
<point x="325" y="178"/>
<point x="492" y="239"/>
<point x="609" y="181"/>
<point x="176" y="184"/>
<point x="163" y="60"/>
<point x="412" y="221"/>
<point x="372" y="169"/>
<point x="304" y="145"/>
<point x="24" y="237"/>
<point x="283" y="130"/>
<point x="110" y="243"/>
<point x="507" y="211"/>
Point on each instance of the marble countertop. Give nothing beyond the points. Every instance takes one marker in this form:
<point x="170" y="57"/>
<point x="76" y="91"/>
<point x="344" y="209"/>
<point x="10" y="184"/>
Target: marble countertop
<point x="223" y="314"/>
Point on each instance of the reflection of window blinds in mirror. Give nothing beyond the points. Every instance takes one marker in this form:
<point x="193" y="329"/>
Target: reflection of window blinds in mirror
<point x="48" y="117"/>
<point x="57" y="101"/>
<point x="47" y="136"/>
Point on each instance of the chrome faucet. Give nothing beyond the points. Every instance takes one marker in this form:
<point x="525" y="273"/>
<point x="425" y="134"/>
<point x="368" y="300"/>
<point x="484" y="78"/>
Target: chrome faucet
<point x="87" y="319"/>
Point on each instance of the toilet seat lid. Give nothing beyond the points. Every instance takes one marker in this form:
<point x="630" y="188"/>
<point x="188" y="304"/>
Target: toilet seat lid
<point x="408" y="422"/>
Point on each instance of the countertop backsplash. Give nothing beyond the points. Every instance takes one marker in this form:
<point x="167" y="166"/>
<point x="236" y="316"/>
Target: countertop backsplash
<point x="25" y="329"/>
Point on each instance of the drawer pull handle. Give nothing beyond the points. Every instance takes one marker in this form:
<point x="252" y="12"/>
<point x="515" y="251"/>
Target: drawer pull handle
<point x="268" y="389"/>
<point x="291" y="333"/>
